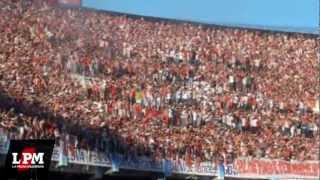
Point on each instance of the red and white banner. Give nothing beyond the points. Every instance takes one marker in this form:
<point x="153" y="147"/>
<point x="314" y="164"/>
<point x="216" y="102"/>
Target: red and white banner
<point x="277" y="167"/>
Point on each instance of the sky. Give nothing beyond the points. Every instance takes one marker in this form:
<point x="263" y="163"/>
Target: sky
<point x="295" y="15"/>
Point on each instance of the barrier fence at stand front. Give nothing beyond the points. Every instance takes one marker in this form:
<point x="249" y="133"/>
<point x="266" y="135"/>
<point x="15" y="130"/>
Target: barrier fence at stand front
<point x="241" y="168"/>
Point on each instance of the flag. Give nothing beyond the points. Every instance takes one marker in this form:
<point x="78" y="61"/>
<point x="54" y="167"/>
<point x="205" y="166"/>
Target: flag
<point x="52" y="2"/>
<point x="70" y="2"/>
<point x="63" y="158"/>
<point x="221" y="171"/>
<point x="167" y="167"/>
<point x="115" y="162"/>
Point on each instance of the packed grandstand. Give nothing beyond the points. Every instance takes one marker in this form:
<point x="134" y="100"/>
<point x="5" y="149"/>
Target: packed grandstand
<point x="157" y="89"/>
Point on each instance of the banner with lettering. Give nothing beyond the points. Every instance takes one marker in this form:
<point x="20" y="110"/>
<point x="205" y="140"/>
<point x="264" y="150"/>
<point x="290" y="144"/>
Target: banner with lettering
<point x="277" y="167"/>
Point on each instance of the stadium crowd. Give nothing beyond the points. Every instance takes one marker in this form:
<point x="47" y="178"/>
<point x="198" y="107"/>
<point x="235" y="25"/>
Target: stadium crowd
<point x="155" y="88"/>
